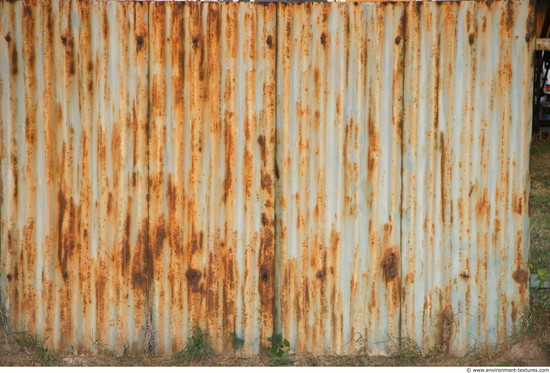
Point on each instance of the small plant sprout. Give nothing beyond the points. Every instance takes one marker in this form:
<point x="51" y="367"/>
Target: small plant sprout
<point x="278" y="351"/>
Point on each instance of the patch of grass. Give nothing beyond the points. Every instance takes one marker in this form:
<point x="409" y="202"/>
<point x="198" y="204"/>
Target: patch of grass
<point x="32" y="344"/>
<point x="103" y="348"/>
<point x="125" y="350"/>
<point x="536" y="322"/>
<point x="197" y="348"/>
<point x="482" y="354"/>
<point x="408" y="352"/>
<point x="4" y="320"/>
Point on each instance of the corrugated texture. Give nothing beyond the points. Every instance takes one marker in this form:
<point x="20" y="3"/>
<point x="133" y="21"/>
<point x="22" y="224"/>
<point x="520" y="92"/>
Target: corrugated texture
<point x="74" y="165"/>
<point x="468" y="79"/>
<point x="345" y="174"/>
<point x="211" y="171"/>
<point x="339" y="174"/>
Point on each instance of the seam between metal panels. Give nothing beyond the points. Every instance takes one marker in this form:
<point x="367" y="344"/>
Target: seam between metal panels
<point x="149" y="337"/>
<point x="277" y="265"/>
<point x="402" y="142"/>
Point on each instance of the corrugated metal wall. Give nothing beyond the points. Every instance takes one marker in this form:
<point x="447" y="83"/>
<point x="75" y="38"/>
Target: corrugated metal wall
<point x="339" y="125"/>
<point x="467" y="115"/>
<point x="211" y="162"/>
<point x="345" y="174"/>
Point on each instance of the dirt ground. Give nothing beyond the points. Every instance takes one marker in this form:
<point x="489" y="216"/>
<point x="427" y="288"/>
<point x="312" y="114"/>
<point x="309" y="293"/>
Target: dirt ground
<point x="529" y="347"/>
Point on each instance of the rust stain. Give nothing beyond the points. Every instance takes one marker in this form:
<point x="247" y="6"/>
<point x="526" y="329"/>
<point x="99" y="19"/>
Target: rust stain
<point x="14" y="69"/>
<point x="446" y="328"/>
<point x="324" y="39"/>
<point x="518" y="201"/>
<point x="126" y="255"/>
<point x="520" y="276"/>
<point x="266" y="182"/>
<point x="160" y="236"/>
<point x="482" y="206"/>
<point x="261" y="142"/>
<point x="194" y="277"/>
<point x="531" y="28"/>
<point x="390" y="264"/>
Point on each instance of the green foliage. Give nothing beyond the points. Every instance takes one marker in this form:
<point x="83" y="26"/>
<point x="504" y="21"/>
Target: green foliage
<point x="35" y="345"/>
<point x="197" y="347"/>
<point x="236" y="342"/>
<point x="407" y="351"/>
<point x="543" y="276"/>
<point x="126" y="350"/>
<point x="278" y="350"/>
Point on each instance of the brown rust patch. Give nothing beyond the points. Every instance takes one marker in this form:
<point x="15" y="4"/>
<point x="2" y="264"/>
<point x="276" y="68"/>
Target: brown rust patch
<point x="520" y="276"/>
<point x="261" y="142"/>
<point x="321" y="274"/>
<point x="62" y="205"/>
<point x="508" y="17"/>
<point x="265" y="220"/>
<point x="518" y="201"/>
<point x="482" y="206"/>
<point x="196" y="241"/>
<point x="170" y="189"/>
<point x="397" y="39"/>
<point x="14" y="69"/>
<point x="229" y="150"/>
<point x="195" y="42"/>
<point x="125" y="255"/>
<point x="269" y="41"/>
<point x="445" y="327"/>
<point x="139" y="43"/>
<point x="530" y="29"/>
<point x="471" y="38"/>
<point x="193" y="277"/>
<point x="264" y="273"/>
<point x="324" y="38"/>
<point x="390" y="264"/>
<point x="8" y="37"/>
<point x="160" y="236"/>
<point x="142" y="261"/>
<point x="266" y="182"/>
<point x="374" y="145"/>
<point x="465" y="275"/>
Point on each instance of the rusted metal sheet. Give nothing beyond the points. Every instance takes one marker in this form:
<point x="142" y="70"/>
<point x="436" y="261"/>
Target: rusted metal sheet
<point x="339" y="174"/>
<point x="74" y="92"/>
<point x="211" y="172"/>
<point x="542" y="44"/>
<point x="467" y="125"/>
<point x="348" y="174"/>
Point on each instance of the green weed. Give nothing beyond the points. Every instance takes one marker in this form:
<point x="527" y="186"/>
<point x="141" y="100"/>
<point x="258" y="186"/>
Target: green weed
<point x="278" y="350"/>
<point x="236" y="342"/>
<point x="197" y="348"/>
<point x="33" y="344"/>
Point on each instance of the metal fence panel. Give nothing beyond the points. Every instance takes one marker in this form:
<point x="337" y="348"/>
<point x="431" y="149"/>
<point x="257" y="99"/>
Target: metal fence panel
<point x="211" y="172"/>
<point x="349" y="175"/>
<point x="74" y="162"/>
<point x="339" y="180"/>
<point x="467" y="127"/>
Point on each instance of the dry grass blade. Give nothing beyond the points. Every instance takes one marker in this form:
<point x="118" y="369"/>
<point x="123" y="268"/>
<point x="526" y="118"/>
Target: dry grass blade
<point x="197" y="348"/>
